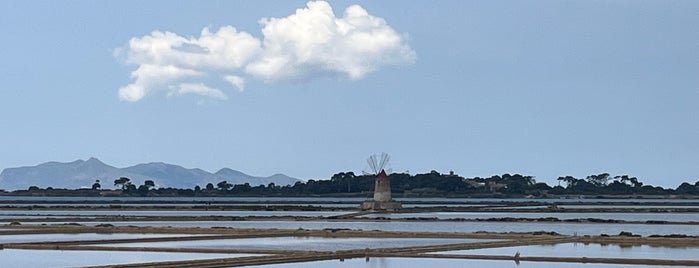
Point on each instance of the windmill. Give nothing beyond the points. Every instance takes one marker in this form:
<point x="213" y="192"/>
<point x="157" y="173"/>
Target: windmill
<point x="382" y="187"/>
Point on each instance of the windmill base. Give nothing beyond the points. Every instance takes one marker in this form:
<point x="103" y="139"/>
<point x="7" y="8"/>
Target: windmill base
<point x="380" y="205"/>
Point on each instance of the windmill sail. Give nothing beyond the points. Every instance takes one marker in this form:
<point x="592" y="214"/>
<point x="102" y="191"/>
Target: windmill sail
<point x="376" y="165"/>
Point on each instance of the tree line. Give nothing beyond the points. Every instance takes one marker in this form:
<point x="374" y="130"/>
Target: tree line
<point x="432" y="184"/>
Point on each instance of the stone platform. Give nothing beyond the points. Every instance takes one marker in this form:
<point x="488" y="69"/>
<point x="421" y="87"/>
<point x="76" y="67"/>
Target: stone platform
<point x="380" y="205"/>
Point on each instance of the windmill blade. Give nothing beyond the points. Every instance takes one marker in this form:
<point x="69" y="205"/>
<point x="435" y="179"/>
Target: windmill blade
<point x="384" y="160"/>
<point x="373" y="163"/>
<point x="367" y="173"/>
<point x="389" y="171"/>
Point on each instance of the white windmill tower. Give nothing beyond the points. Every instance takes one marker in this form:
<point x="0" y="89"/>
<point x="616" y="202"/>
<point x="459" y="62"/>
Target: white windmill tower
<point x="382" y="188"/>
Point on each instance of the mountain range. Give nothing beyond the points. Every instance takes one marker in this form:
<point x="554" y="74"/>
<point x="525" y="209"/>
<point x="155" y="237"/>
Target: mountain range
<point x="83" y="173"/>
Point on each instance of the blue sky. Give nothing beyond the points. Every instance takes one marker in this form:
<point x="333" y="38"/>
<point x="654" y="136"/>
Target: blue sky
<point x="544" y="88"/>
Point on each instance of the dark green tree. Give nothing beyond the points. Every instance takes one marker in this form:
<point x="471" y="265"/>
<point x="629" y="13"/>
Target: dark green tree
<point x="687" y="189"/>
<point x="209" y="186"/>
<point x="149" y="184"/>
<point x="224" y="185"/>
<point x="569" y="180"/>
<point x="122" y="182"/>
<point x="599" y="180"/>
<point x="96" y="185"/>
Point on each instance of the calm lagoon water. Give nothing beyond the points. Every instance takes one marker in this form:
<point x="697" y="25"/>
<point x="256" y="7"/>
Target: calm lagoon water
<point x="49" y="258"/>
<point x="465" y="227"/>
<point x="19" y="258"/>
<point x="591" y="251"/>
<point x="9" y="214"/>
<point x="174" y="205"/>
<point x="18" y="214"/>
<point x="28" y="238"/>
<point x="442" y="263"/>
<point x="356" y="200"/>
<point x="300" y="243"/>
<point x="178" y="199"/>
<point x="668" y="207"/>
<point x="678" y="217"/>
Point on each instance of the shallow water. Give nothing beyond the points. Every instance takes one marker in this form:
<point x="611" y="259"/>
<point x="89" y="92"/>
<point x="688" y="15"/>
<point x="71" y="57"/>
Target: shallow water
<point x="13" y="214"/>
<point x="18" y="214"/>
<point x="465" y="227"/>
<point x="176" y="205"/>
<point x="300" y="243"/>
<point x="19" y="258"/>
<point x="677" y="217"/>
<point x="665" y="207"/>
<point x="44" y="258"/>
<point x="443" y="205"/>
<point x="28" y="238"/>
<point x="357" y="200"/>
<point x="442" y="263"/>
<point x="590" y="251"/>
<point x="178" y="199"/>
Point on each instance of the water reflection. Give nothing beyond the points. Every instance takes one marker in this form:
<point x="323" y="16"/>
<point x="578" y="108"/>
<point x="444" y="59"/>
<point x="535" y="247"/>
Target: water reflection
<point x="357" y="200"/>
<point x="300" y="243"/>
<point x="19" y="258"/>
<point x="677" y="217"/>
<point x="8" y="214"/>
<point x="28" y="238"/>
<point x="461" y="227"/>
<point x="591" y="251"/>
<point x="441" y="263"/>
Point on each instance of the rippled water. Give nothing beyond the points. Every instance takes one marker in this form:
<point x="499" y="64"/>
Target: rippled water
<point x="678" y="217"/>
<point x="442" y="263"/>
<point x="590" y="251"/>
<point x="13" y="214"/>
<point x="327" y="199"/>
<point x="179" y="199"/>
<point x="19" y="258"/>
<point x="466" y="227"/>
<point x="667" y="207"/>
<point x="675" y="217"/>
<point x="300" y="243"/>
<point x="27" y="238"/>
<point x="42" y="258"/>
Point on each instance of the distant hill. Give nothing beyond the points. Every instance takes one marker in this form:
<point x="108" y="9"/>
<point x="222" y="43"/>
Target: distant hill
<point x="82" y="174"/>
<point x="237" y="177"/>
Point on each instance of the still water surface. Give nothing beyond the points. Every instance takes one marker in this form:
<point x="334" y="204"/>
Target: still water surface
<point x="442" y="263"/>
<point x="465" y="227"/>
<point x="155" y="213"/>
<point x="677" y="217"/>
<point x="300" y="243"/>
<point x="20" y="258"/>
<point x="590" y="251"/>
<point x="27" y="238"/>
<point x="356" y="200"/>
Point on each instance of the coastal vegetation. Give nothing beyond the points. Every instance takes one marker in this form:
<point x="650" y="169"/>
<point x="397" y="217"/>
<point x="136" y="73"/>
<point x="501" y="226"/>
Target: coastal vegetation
<point x="432" y="184"/>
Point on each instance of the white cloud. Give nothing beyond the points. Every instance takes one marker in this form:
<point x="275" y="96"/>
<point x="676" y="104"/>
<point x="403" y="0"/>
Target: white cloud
<point x="310" y="43"/>
<point x="149" y="76"/>
<point x="199" y="89"/>
<point x="237" y="81"/>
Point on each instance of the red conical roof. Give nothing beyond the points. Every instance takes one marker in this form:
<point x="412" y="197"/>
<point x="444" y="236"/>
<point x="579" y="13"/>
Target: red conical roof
<point x="382" y="174"/>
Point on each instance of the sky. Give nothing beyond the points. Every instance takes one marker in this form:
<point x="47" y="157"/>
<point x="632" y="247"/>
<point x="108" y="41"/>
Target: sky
<point x="543" y="88"/>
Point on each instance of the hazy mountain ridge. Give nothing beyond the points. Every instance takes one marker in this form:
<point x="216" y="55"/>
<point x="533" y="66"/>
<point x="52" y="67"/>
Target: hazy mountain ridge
<point x="81" y="174"/>
<point x="233" y="175"/>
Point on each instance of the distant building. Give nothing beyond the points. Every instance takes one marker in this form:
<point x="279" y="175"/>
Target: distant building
<point x="474" y="183"/>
